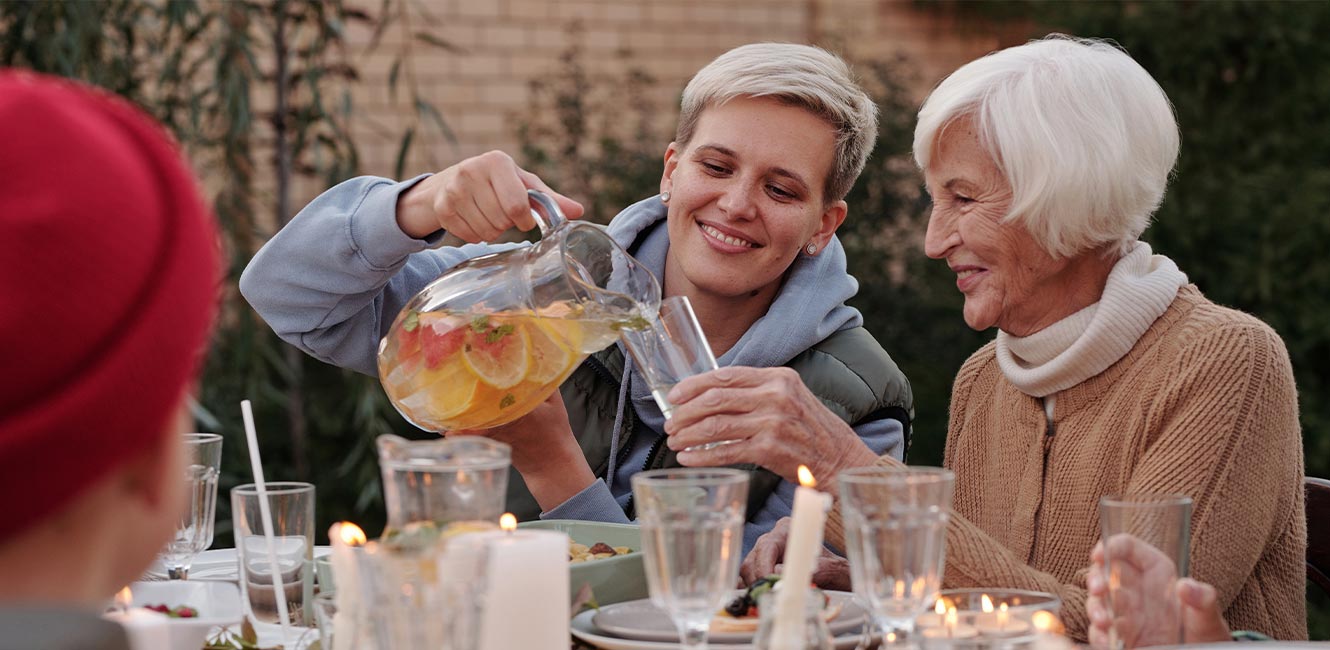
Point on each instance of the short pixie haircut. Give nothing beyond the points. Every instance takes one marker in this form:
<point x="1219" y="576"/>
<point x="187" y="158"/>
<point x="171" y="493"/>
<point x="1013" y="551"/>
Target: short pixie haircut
<point x="1084" y="135"/>
<point x="799" y="75"/>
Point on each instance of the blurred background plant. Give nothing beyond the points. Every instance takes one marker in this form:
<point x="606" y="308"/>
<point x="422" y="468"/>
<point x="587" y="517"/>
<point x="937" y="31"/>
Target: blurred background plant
<point x="241" y="82"/>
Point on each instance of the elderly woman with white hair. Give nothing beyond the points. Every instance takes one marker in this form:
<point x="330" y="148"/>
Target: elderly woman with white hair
<point x="1110" y="373"/>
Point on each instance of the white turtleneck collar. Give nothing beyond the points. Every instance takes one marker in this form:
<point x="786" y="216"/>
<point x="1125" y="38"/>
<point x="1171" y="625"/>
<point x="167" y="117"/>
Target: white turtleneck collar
<point x="1139" y="290"/>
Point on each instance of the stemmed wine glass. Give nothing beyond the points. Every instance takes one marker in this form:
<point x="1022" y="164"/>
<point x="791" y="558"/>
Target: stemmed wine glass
<point x="692" y="535"/>
<point x="895" y="529"/>
<point x="194" y="531"/>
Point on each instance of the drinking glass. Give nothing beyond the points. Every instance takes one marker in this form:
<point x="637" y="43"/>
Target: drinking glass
<point x="1146" y="538"/>
<point x="692" y="533"/>
<point x="325" y="610"/>
<point x="670" y="349"/>
<point x="193" y="533"/>
<point x="291" y="506"/>
<point x="895" y="530"/>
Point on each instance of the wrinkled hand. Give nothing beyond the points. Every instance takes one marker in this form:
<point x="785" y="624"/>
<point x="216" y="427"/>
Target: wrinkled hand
<point x="771" y="418"/>
<point x="544" y="451"/>
<point x="476" y="200"/>
<point x="832" y="571"/>
<point x="1148" y="598"/>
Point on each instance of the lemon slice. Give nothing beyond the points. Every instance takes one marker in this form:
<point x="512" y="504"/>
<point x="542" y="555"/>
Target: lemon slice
<point x="444" y="394"/>
<point x="497" y="353"/>
<point x="552" y="345"/>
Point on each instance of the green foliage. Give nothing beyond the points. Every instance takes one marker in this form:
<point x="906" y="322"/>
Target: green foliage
<point x="197" y="67"/>
<point x="594" y="137"/>
<point x="1245" y="217"/>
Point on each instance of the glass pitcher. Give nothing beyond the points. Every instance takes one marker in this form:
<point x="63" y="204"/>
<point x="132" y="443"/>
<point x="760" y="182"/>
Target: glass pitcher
<point x="489" y="340"/>
<point x="429" y="485"/>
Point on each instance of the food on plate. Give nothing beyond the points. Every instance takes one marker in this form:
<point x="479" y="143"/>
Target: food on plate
<point x="583" y="553"/>
<point x="742" y="615"/>
<point x="179" y="611"/>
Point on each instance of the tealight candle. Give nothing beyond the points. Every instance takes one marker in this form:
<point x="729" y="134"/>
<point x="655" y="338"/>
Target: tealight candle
<point x="1000" y="624"/>
<point x="951" y="629"/>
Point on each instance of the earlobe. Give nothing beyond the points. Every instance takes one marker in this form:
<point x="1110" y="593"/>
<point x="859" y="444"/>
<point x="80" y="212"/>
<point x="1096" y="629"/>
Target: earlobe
<point x="832" y="218"/>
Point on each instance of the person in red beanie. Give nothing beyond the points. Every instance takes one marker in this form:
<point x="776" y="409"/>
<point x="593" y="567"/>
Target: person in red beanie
<point x="109" y="266"/>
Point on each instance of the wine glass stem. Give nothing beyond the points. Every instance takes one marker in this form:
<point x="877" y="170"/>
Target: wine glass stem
<point x="177" y="573"/>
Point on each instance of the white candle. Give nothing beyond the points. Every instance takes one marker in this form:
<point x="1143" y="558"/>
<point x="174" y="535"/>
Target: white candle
<point x="801" y="552"/>
<point x="144" y="628"/>
<point x="345" y="538"/>
<point x="526" y="603"/>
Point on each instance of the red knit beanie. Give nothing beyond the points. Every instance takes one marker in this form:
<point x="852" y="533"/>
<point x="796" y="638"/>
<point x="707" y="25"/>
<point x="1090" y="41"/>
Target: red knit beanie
<point x="109" y="272"/>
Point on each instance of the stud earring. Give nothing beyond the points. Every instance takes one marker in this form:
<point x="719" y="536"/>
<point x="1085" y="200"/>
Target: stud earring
<point x="665" y="196"/>
<point x="811" y="248"/>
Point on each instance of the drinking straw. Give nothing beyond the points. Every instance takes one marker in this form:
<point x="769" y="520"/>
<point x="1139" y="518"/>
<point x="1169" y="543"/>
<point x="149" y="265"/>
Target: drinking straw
<point x="279" y="592"/>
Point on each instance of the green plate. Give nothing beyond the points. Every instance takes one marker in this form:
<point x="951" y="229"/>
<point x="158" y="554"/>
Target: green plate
<point x="612" y="579"/>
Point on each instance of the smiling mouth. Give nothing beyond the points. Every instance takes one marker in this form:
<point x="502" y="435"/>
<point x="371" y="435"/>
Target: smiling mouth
<point x="727" y="239"/>
<point x="961" y="275"/>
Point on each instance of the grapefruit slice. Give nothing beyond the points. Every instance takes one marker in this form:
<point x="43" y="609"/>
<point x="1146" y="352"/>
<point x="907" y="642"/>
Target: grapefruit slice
<point x="496" y="352"/>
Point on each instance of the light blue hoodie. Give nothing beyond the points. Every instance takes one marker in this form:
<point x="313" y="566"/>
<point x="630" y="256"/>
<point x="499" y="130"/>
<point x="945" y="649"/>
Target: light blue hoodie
<point x="333" y="280"/>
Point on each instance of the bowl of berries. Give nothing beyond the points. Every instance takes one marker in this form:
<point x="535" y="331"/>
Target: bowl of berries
<point x="193" y="607"/>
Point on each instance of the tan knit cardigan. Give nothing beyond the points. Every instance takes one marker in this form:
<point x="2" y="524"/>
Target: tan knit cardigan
<point x="1203" y="405"/>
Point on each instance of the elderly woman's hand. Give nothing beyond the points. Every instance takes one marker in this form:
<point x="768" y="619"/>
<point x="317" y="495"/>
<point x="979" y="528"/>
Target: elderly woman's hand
<point x="476" y="199"/>
<point x="1149" y="599"/>
<point x="766" y="416"/>
<point x="832" y="571"/>
<point x="544" y="451"/>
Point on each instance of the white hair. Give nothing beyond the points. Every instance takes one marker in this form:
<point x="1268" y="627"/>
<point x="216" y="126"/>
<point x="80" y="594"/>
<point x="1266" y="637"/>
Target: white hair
<point x="799" y="75"/>
<point x="1084" y="135"/>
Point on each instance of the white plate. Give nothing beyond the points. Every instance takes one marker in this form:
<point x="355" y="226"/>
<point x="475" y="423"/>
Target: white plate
<point x="215" y="564"/>
<point x="586" y="631"/>
<point x="217" y="604"/>
<point x="639" y="619"/>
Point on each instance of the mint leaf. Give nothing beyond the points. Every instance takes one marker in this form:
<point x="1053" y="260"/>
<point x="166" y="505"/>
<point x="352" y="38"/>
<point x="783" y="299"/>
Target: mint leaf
<point x="480" y="323"/>
<point x="412" y="321"/>
<point x="496" y="334"/>
<point x="508" y="400"/>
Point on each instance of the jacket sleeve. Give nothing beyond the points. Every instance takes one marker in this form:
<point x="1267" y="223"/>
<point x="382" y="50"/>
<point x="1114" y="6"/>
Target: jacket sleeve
<point x="333" y="279"/>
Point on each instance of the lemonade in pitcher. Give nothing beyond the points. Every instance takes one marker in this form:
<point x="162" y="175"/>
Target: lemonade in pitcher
<point x="488" y="341"/>
<point x="449" y="371"/>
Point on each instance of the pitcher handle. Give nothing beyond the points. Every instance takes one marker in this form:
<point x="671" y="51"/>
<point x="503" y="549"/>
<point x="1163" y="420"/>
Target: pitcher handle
<point x="546" y="211"/>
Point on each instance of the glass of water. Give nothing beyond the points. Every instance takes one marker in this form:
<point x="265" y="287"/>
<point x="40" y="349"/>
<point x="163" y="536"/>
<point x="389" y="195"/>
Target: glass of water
<point x="895" y="534"/>
<point x="672" y="348"/>
<point x="291" y="507"/>
<point x="692" y="534"/>
<point x="193" y="533"/>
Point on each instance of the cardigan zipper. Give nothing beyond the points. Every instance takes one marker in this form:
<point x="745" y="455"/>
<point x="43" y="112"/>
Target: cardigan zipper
<point x="630" y="508"/>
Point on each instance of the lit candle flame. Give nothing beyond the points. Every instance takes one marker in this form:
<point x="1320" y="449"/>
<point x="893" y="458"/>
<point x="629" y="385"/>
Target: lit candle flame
<point x="891" y="638"/>
<point x="951" y="621"/>
<point x="1045" y="622"/>
<point x="508" y="522"/>
<point x="1002" y="616"/>
<point x="986" y="604"/>
<point x="806" y="477"/>
<point x="123" y="598"/>
<point x="900" y="589"/>
<point x="351" y="534"/>
<point x="940" y="607"/>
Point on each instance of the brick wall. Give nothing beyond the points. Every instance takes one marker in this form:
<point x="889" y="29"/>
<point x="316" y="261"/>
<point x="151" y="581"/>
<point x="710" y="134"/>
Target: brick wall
<point x="482" y="88"/>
